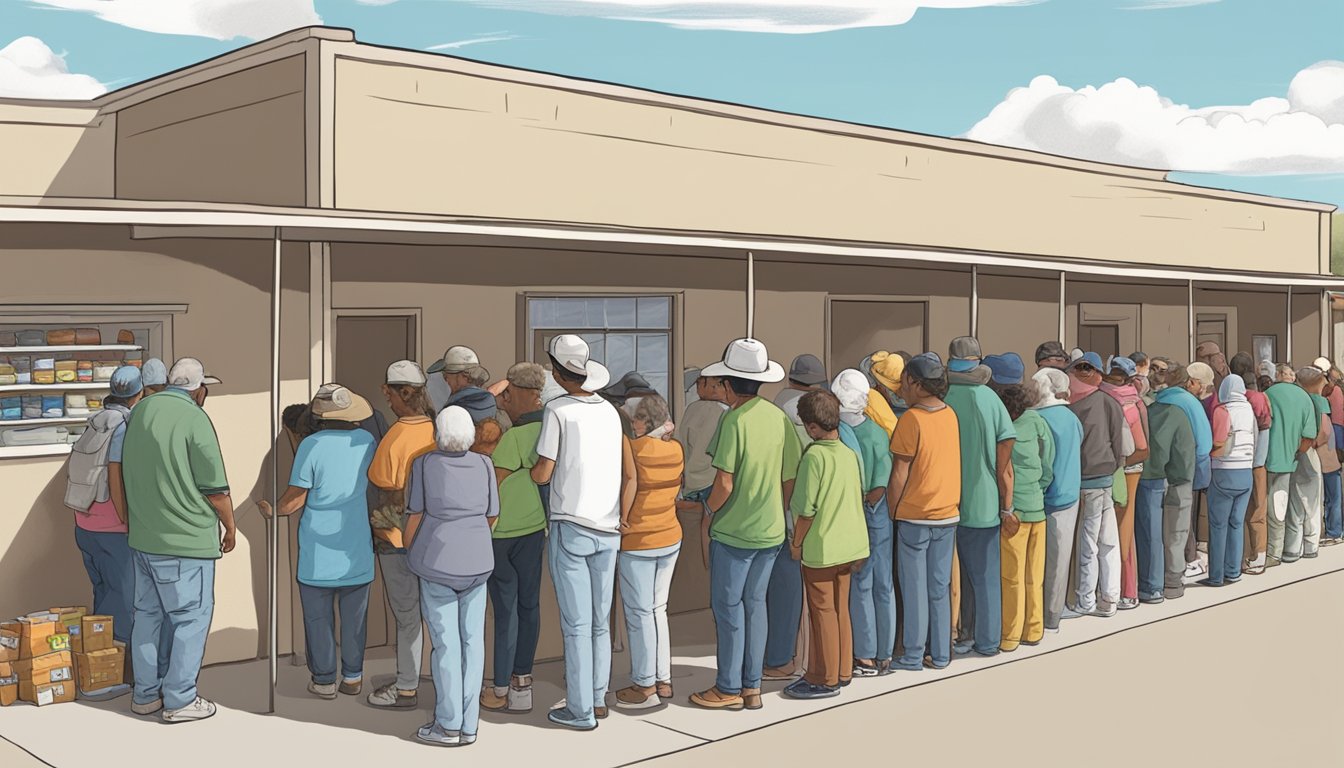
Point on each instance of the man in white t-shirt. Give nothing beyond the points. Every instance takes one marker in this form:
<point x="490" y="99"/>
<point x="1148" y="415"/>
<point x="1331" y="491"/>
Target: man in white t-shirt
<point x="587" y="461"/>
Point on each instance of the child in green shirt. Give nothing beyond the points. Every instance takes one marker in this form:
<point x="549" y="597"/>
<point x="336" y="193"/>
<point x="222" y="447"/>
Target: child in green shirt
<point x="831" y="539"/>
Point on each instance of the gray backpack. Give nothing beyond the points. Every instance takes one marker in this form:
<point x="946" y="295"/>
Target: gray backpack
<point x="86" y="473"/>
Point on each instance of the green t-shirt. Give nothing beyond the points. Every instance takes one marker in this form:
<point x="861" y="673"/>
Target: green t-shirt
<point x="1294" y="419"/>
<point x="827" y="490"/>
<point x="520" y="510"/>
<point x="758" y="445"/>
<point x="875" y="450"/>
<point x="1033" y="466"/>
<point x="983" y="424"/>
<point x="169" y="463"/>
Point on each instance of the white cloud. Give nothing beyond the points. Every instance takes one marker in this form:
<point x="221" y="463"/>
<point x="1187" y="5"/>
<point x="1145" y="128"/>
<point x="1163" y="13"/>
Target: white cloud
<point x="787" y="16"/>
<point x="31" y="70"/>
<point x="1122" y="122"/>
<point x="490" y="38"/>
<point x="217" y="19"/>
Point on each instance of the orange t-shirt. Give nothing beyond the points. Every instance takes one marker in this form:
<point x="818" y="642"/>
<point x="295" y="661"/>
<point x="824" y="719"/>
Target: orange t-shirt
<point x="404" y="441"/>
<point x="930" y="439"/>
<point x="653" y="518"/>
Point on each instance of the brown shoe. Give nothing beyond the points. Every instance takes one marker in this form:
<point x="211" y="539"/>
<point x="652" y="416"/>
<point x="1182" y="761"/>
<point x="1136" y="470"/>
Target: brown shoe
<point x="638" y="697"/>
<point x="600" y="713"/>
<point x="665" y="690"/>
<point x="492" y="700"/>
<point x="351" y="687"/>
<point x="751" y="698"/>
<point x="716" y="699"/>
<point x="776" y="674"/>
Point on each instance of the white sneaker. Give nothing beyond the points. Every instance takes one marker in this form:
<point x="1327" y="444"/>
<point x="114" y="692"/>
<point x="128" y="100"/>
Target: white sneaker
<point x="327" y="691"/>
<point x="431" y="733"/>
<point x="520" y="694"/>
<point x="200" y="709"/>
<point x="1194" y="570"/>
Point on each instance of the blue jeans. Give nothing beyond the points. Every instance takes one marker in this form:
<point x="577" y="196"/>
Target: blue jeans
<point x="515" y="595"/>
<point x="738" y="582"/>
<point x="175" y="595"/>
<point x="646" y="582"/>
<point x="872" y="592"/>
<point x="1334" y="522"/>
<point x="107" y="558"/>
<point x="783" y="609"/>
<point x="319" y="627"/>
<point x="1148" y="546"/>
<point x="924" y="561"/>
<point x="1229" y="493"/>
<point x="457" y="633"/>
<point x="583" y="569"/>
<point x="981" y="587"/>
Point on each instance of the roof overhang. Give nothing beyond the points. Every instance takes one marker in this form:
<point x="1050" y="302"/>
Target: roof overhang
<point x="210" y="220"/>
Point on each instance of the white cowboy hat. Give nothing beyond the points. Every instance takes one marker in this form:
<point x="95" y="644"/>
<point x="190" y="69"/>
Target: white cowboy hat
<point x="572" y="353"/>
<point x="746" y="359"/>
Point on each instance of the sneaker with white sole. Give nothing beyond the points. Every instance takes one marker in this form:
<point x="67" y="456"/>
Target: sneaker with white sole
<point x="321" y="691"/>
<point x="1195" y="570"/>
<point x="200" y="709"/>
<point x="391" y="697"/>
<point x="148" y="708"/>
<point x="520" y="694"/>
<point x="1128" y="603"/>
<point x="431" y="733"/>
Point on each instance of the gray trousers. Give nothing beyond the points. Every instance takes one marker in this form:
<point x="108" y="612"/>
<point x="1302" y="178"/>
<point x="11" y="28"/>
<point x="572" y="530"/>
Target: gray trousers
<point x="1302" y="536"/>
<point x="1176" y="506"/>
<point x="1059" y="536"/>
<point x="1098" y="551"/>
<point x="403" y="594"/>
<point x="1280" y="490"/>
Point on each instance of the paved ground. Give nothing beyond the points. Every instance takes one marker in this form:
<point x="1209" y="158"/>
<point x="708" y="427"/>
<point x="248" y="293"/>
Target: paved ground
<point x="1244" y="675"/>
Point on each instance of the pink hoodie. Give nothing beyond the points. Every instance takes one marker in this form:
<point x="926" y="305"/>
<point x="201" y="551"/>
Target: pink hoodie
<point x="1136" y="412"/>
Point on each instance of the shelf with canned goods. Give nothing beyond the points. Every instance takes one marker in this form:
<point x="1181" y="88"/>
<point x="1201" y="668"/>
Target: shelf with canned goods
<point x="57" y="387"/>
<point x="71" y="348"/>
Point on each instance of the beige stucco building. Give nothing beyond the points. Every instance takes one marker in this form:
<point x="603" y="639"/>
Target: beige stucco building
<point x="402" y="202"/>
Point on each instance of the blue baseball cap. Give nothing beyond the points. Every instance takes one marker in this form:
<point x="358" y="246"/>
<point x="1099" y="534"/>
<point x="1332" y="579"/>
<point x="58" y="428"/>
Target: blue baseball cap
<point x="1125" y="365"/>
<point x="1007" y="368"/>
<point x="1088" y="358"/>
<point x="925" y="366"/>
<point x="126" y="382"/>
<point x="153" y="373"/>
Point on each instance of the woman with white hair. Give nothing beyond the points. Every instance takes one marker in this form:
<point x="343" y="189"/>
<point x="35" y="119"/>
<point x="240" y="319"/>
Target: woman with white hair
<point x="453" y="504"/>
<point x="650" y="542"/>
<point x="872" y="590"/>
<point x="1061" y="497"/>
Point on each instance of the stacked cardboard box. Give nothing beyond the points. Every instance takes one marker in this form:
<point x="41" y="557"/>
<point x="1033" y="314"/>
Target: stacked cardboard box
<point x="44" y="655"/>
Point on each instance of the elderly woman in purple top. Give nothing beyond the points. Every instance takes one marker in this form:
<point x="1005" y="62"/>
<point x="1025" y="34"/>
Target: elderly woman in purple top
<point x="453" y="504"/>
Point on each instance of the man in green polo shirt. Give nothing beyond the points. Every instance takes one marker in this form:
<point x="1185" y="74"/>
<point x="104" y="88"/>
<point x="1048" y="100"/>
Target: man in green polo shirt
<point x="177" y="497"/>
<point x="519" y="538"/>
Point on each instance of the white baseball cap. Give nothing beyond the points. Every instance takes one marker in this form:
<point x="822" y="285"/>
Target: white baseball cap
<point x="1322" y="364"/>
<point x="405" y="372"/>
<point x="573" y="354"/>
<point x="189" y="374"/>
<point x="746" y="359"/>
<point x="456" y="360"/>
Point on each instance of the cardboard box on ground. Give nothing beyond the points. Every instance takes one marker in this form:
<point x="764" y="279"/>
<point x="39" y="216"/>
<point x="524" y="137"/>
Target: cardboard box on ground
<point x="43" y="655"/>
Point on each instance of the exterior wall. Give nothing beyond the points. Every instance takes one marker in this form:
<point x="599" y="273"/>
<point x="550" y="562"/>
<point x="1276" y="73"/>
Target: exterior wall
<point x="56" y="151"/>
<point x="1016" y="314"/>
<point x="471" y="145"/>
<point x="225" y="285"/>
<point x="239" y="138"/>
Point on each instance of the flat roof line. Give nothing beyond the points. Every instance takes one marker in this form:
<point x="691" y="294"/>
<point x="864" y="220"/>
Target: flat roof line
<point x="318" y="223"/>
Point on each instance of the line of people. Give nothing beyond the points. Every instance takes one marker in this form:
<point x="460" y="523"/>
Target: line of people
<point x="915" y="509"/>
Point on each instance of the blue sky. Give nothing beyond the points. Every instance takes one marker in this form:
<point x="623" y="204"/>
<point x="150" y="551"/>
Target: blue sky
<point x="941" y="72"/>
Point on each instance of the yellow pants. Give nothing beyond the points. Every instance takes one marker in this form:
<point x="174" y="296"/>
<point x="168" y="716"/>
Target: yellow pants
<point x="1022" y="566"/>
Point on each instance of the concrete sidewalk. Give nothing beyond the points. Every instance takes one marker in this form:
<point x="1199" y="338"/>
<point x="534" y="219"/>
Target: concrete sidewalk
<point x="307" y="731"/>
